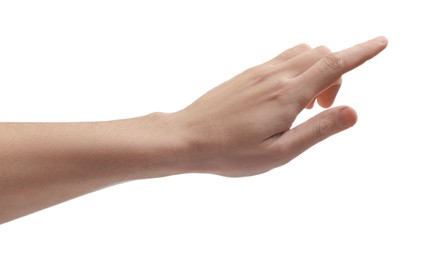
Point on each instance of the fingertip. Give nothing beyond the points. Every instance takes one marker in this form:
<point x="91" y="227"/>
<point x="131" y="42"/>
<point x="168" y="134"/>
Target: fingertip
<point x="325" y="103"/>
<point x="381" y="40"/>
<point x="347" y="117"/>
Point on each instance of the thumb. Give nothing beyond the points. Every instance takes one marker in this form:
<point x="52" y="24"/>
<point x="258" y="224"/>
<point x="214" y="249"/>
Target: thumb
<point x="330" y="122"/>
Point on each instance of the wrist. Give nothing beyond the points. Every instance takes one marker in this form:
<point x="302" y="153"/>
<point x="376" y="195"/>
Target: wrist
<point x="195" y="148"/>
<point x="157" y="145"/>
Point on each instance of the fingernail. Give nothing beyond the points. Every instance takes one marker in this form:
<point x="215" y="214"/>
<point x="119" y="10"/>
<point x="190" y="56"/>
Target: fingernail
<point x="347" y="117"/>
<point x="380" y="40"/>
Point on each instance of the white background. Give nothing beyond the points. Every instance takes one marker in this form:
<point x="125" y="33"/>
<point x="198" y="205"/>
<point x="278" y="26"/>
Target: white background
<point x="354" y="196"/>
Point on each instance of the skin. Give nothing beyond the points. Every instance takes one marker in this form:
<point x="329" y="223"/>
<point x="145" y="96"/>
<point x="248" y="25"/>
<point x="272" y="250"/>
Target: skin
<point x="240" y="128"/>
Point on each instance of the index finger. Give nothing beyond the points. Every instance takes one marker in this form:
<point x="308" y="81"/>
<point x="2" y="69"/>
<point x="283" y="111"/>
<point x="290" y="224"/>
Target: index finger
<point x="330" y="68"/>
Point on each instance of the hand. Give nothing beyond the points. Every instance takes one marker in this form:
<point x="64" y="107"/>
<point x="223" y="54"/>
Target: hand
<point x="243" y="126"/>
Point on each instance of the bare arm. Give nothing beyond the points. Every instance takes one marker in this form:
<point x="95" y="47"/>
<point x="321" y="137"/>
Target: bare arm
<point x="42" y="164"/>
<point x="240" y="128"/>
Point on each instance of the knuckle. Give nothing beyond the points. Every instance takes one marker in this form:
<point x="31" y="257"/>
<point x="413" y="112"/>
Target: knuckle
<point x="322" y="129"/>
<point x="322" y="49"/>
<point x="283" y="84"/>
<point x="334" y="62"/>
<point x="295" y="99"/>
<point x="303" y="46"/>
<point x="282" y="91"/>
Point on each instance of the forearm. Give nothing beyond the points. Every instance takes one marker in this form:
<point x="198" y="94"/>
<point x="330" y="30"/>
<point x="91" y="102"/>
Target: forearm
<point x="42" y="164"/>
